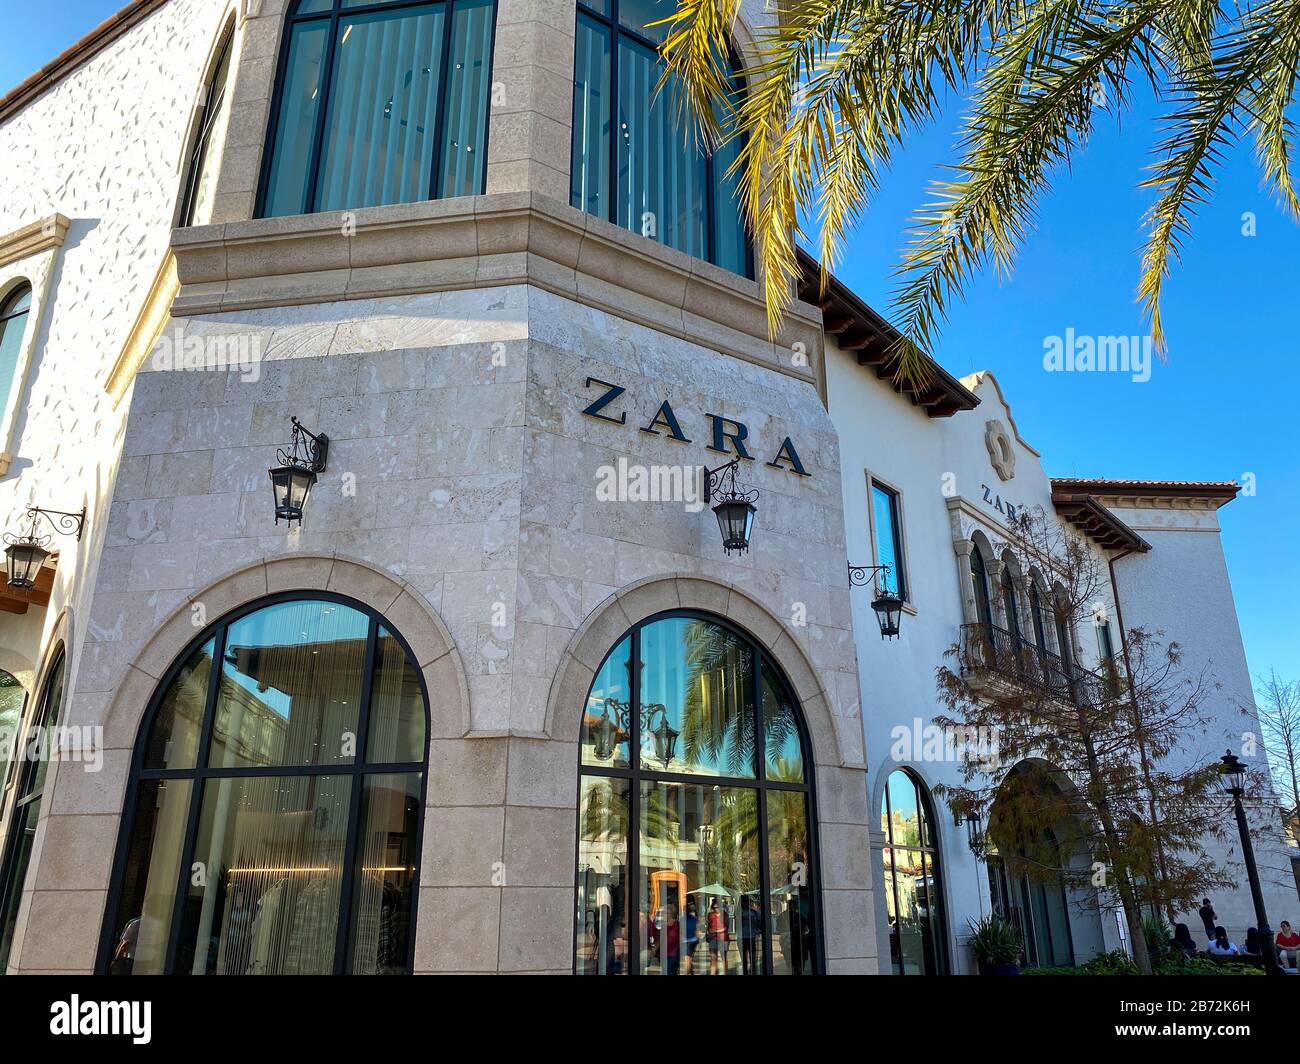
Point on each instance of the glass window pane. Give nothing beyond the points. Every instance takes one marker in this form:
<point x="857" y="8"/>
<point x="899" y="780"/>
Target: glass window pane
<point x="589" y="180"/>
<point x="381" y="125"/>
<point x="150" y="879"/>
<point x="661" y="171"/>
<point x="47" y="717"/>
<point x="13" y="326"/>
<point x="884" y="510"/>
<point x="782" y="745"/>
<point x="296" y="123"/>
<point x="936" y="949"/>
<point x="264" y="889"/>
<point x="696" y="699"/>
<point x="790" y="880"/>
<point x="906" y="822"/>
<point x="699" y="858"/>
<point x="384" y="892"/>
<point x="606" y="724"/>
<point x="212" y="136"/>
<point x="397" y="723"/>
<point x="12" y="700"/>
<point x="604" y="814"/>
<point x="174" y="735"/>
<point x="908" y="929"/>
<point x="290" y="687"/>
<point x="730" y="243"/>
<point x="468" y="90"/>
<point x="316" y="7"/>
<point x="638" y="14"/>
<point x="23" y="824"/>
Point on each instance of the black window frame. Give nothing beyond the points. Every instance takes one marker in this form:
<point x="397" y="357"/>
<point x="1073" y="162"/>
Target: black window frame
<point x="979" y="572"/>
<point x="634" y="774"/>
<point x="337" y="12"/>
<point x="931" y="858"/>
<point x="902" y="586"/>
<point x="201" y="772"/>
<point x="616" y="29"/>
<point x="46" y="716"/>
<point x="213" y="101"/>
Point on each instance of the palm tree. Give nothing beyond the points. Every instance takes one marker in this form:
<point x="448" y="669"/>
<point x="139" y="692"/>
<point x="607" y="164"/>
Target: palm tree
<point x="839" y="84"/>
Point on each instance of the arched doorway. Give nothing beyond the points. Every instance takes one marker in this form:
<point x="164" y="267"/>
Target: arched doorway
<point x="918" y="936"/>
<point x="696" y="827"/>
<point x="276" y="800"/>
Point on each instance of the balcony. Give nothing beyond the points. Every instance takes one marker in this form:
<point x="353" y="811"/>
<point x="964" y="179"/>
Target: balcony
<point x="986" y="648"/>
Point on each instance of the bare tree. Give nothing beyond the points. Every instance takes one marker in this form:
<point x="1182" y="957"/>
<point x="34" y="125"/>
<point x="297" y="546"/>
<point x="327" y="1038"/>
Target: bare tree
<point x="1277" y="702"/>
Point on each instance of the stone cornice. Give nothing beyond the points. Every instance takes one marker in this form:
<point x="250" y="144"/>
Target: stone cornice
<point x="32" y="239"/>
<point x="484" y="241"/>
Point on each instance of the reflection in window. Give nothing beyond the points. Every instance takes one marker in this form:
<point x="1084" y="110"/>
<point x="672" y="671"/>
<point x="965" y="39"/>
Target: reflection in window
<point x="277" y="803"/>
<point x="889" y="542"/>
<point x="380" y="104"/>
<point x="16" y="852"/>
<point x="662" y="186"/>
<point x="913" y="890"/>
<point x="721" y="880"/>
<point x="14" y="311"/>
<point x="12" y="700"/>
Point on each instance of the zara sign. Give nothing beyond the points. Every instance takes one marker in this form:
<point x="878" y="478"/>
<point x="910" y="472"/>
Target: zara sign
<point x="727" y="436"/>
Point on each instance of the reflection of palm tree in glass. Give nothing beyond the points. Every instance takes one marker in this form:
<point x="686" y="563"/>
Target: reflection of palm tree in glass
<point x="718" y="718"/>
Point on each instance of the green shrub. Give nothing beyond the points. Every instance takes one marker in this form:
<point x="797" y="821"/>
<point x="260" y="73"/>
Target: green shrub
<point x="995" y="941"/>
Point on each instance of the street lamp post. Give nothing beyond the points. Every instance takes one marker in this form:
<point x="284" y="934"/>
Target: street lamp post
<point x="1232" y="775"/>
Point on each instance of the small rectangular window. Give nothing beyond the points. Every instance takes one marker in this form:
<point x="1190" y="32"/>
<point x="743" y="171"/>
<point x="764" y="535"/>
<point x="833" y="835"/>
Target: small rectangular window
<point x="888" y="524"/>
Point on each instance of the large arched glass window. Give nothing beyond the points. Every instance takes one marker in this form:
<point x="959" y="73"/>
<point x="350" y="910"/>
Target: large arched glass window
<point x="696" y="834"/>
<point x="278" y="786"/>
<point x="26" y="811"/>
<point x="918" y="943"/>
<point x="196" y="206"/>
<point x="663" y="186"/>
<point x="379" y="102"/>
<point x="14" y="311"/>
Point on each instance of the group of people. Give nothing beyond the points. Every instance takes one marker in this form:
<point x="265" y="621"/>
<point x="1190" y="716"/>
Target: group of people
<point x="1287" y="940"/>
<point x="677" y="941"/>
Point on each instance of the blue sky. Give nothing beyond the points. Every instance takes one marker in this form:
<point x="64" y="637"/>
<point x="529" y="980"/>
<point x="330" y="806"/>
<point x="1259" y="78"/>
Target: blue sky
<point x="1217" y="409"/>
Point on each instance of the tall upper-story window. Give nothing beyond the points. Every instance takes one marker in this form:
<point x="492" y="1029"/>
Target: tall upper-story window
<point x="887" y="517"/>
<point x="1009" y="602"/>
<point x="980" y="583"/>
<point x="14" y="310"/>
<point x="379" y="102"/>
<point x="635" y="162"/>
<point x="196" y="207"/>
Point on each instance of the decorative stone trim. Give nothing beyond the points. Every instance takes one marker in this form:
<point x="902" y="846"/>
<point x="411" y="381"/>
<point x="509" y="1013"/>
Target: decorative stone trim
<point x="610" y="621"/>
<point x="149" y="324"/>
<point x="481" y="242"/>
<point x="32" y="239"/>
<point x="1001" y="454"/>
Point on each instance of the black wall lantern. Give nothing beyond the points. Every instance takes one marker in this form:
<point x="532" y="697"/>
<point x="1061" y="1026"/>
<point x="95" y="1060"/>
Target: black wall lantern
<point x="26" y="554"/>
<point x="665" y="737"/>
<point x="735" y="509"/>
<point x="888" y="606"/>
<point x="293" y="478"/>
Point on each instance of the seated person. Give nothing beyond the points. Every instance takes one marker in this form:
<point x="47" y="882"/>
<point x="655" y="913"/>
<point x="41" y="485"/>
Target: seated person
<point x="1183" y="941"/>
<point x="1288" y="943"/>
<point x="1221" y="947"/>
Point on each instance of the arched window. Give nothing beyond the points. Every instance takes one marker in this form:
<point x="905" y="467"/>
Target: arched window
<point x="379" y="103"/>
<point x="663" y="187"/>
<point x="26" y="811"/>
<point x="277" y="792"/>
<point x="1010" y="604"/>
<point x="980" y="582"/>
<point x="1063" y="646"/>
<point x="918" y="943"/>
<point x="12" y="700"/>
<point x="14" y="309"/>
<point x="1036" y="608"/>
<point x="196" y="206"/>
<point x="696" y="833"/>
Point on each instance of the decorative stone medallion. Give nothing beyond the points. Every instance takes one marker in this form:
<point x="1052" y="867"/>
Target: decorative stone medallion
<point x="1001" y="453"/>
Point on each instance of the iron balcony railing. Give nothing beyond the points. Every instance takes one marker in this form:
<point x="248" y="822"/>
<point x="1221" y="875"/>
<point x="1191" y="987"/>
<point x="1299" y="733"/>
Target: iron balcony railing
<point x="1010" y="655"/>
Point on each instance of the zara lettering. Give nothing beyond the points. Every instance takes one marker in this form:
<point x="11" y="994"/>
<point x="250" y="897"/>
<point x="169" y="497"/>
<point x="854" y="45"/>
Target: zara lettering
<point x="727" y="436"/>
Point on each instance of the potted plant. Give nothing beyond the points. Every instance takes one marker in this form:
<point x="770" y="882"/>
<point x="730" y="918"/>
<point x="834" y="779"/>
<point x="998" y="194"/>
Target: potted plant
<point x="996" y="945"/>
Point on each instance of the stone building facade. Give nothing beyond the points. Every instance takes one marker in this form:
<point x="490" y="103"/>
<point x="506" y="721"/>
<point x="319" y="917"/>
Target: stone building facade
<point x="482" y="364"/>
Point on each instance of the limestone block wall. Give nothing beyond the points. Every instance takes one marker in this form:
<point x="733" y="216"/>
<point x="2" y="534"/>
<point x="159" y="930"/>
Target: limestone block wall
<point x="462" y="487"/>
